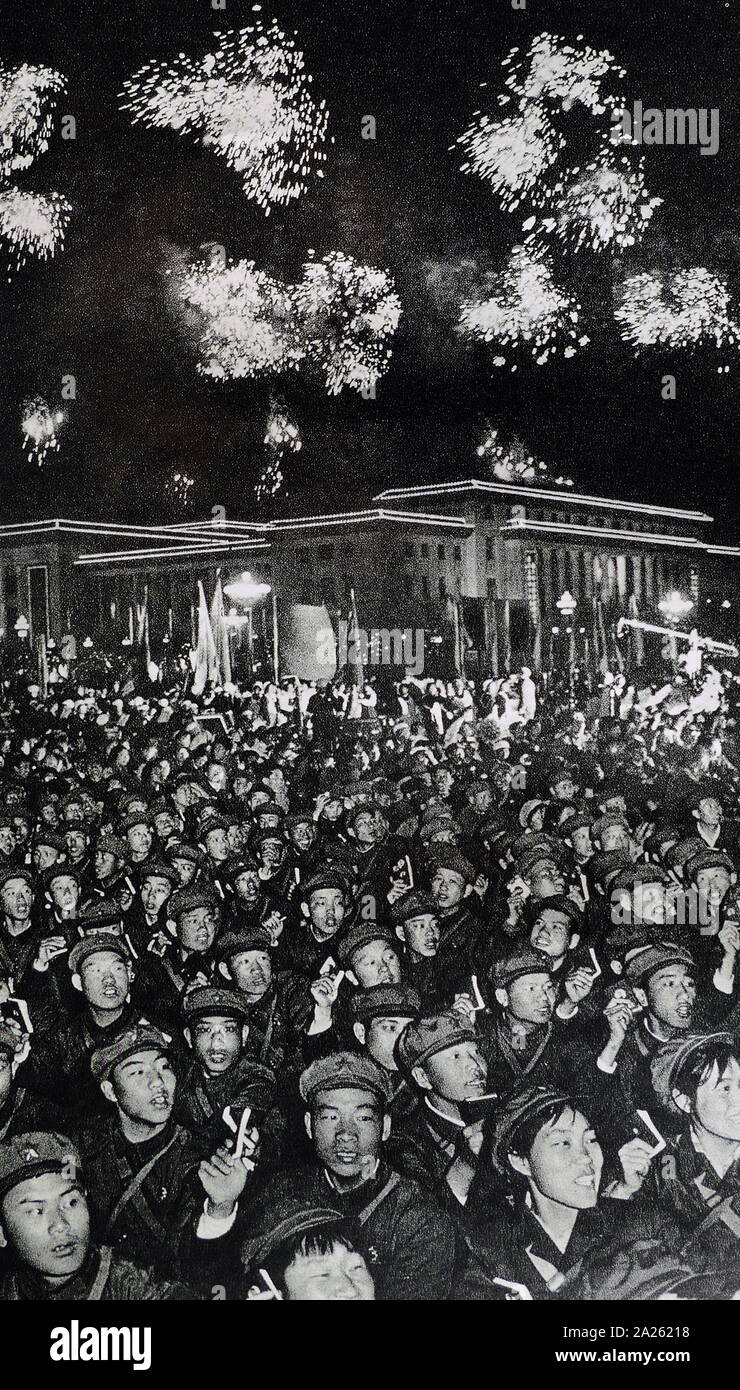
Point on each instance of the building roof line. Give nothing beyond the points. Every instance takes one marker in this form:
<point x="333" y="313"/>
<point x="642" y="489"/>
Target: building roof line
<point x="565" y="528"/>
<point x="543" y="494"/>
<point x="370" y="515"/>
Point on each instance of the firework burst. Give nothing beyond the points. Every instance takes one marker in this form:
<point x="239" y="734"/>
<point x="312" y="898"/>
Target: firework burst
<point x="525" y="307"/>
<point x="282" y="437"/>
<point x="247" y="320"/>
<point x="688" y="309"/>
<point x="513" y="155"/>
<point x="40" y="425"/>
<point x="339" y="318"/>
<point x="32" y="224"/>
<point x="606" y="204"/>
<point x="27" y="99"/>
<point x="249" y="101"/>
<point x="349" y="313"/>
<point x="179" y="489"/>
<point x="565" y="74"/>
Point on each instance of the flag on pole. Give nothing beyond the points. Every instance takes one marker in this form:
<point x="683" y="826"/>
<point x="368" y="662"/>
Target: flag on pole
<point x="143" y="653"/>
<point x="355" y="672"/>
<point x="507" y="637"/>
<point x="220" y="633"/>
<point x="637" y="639"/>
<point x="600" y="646"/>
<point x="491" y="634"/>
<point x="205" y="657"/>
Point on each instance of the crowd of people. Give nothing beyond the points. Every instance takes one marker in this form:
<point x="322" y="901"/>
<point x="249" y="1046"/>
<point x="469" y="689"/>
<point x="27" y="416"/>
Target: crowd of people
<point x="312" y="994"/>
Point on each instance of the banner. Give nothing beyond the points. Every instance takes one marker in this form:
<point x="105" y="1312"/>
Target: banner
<point x="308" y="646"/>
<point x="220" y="633"/>
<point x="205" y="656"/>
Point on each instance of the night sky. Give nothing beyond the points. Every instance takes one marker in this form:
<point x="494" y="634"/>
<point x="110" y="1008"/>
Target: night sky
<point x="140" y="198"/>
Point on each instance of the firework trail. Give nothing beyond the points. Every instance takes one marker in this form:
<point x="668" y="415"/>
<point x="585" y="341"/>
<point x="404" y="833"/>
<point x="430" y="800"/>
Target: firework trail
<point x="282" y="437"/>
<point x="249" y="101"/>
<point x="339" y="318"/>
<point x="178" y="489"/>
<point x="525" y="306"/>
<point x="349" y="313"/>
<point x="683" y="310"/>
<point x="39" y="427"/>
<point x="512" y="464"/>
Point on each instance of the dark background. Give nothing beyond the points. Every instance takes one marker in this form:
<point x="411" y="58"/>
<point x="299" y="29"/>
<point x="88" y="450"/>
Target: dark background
<point x="99" y="310"/>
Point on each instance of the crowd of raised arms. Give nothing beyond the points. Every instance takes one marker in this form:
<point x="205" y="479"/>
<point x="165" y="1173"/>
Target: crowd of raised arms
<point x="307" y="994"/>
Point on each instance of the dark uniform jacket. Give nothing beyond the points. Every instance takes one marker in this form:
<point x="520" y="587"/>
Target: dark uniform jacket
<point x="145" y="1199"/>
<point x="411" y="1241"/>
<point x="511" y="1244"/>
<point x="104" y="1277"/>
<point x="705" y="1206"/>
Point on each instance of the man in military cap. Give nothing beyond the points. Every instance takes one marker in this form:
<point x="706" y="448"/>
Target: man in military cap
<point x="170" y="964"/>
<point x="100" y="970"/>
<point x="346" y="1120"/>
<point x="461" y="934"/>
<point x="107" y="876"/>
<point x="368" y="953"/>
<point x="144" y="1178"/>
<point x="379" y="1015"/>
<point x="277" y="1003"/>
<point x="186" y="862"/>
<point x="324" y="903"/>
<point x="215" y="846"/>
<point x="303" y="843"/>
<point x="221" y="1072"/>
<point x="21" y="1106"/>
<point x="155" y="881"/>
<point x="48" y="848"/>
<point x="138" y="833"/>
<point x="415" y="917"/>
<point x="21" y="944"/>
<point x="45" y="1228"/>
<point x="250" y="905"/>
<point x="438" y="1143"/>
<point x="523" y="1039"/>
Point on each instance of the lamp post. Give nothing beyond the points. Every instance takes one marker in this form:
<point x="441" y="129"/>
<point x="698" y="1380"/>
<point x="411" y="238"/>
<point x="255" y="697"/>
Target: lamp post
<point x="674" y="607"/>
<point x="22" y="627"/>
<point x="566" y="606"/>
<point x="247" y="591"/>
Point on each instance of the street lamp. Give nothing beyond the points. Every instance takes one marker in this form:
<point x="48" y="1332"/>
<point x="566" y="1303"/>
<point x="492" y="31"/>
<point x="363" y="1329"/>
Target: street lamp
<point x="674" y="606"/>
<point x="87" y="642"/>
<point x="22" y="627"/>
<point x="246" y="590"/>
<point x="566" y="605"/>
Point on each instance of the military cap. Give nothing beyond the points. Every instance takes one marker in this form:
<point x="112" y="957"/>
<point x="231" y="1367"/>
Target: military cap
<point x="267" y="808"/>
<point x="136" y="818"/>
<point x="425" y="1037"/>
<point x="52" y="838"/>
<point x="325" y="876"/>
<point x="415" y="903"/>
<point x="559" y="902"/>
<point x="636" y="876"/>
<point x="242" y="866"/>
<point x="157" y="868"/>
<point x="520" y="1110"/>
<point x="708" y="859"/>
<point x="453" y="860"/>
<point x="124" y="801"/>
<point x="671" y="1058"/>
<point x="112" y="844"/>
<point x="536" y="842"/>
<point x="285" y="1221"/>
<point x="92" y="944"/>
<point x="361" y="934"/>
<point x="181" y="850"/>
<point x="235" y="943"/>
<point x="528" y="810"/>
<point x="577" y="821"/>
<point x="10" y="871"/>
<point x="522" y="961"/>
<point x="267" y="837"/>
<point x="609" y="819"/>
<point x="143" y="1037"/>
<point x="210" y="999"/>
<point x="298" y="818"/>
<point x="214" y="823"/>
<point x="385" y="1001"/>
<point x="62" y="870"/>
<point x="365" y="808"/>
<point x="160" y="807"/>
<point x="643" y="962"/>
<point x="343" y="1069"/>
<point x="437" y="825"/>
<point x="32" y="1154"/>
<point x="609" y="862"/>
<point x="96" y="916"/>
<point x="189" y="899"/>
